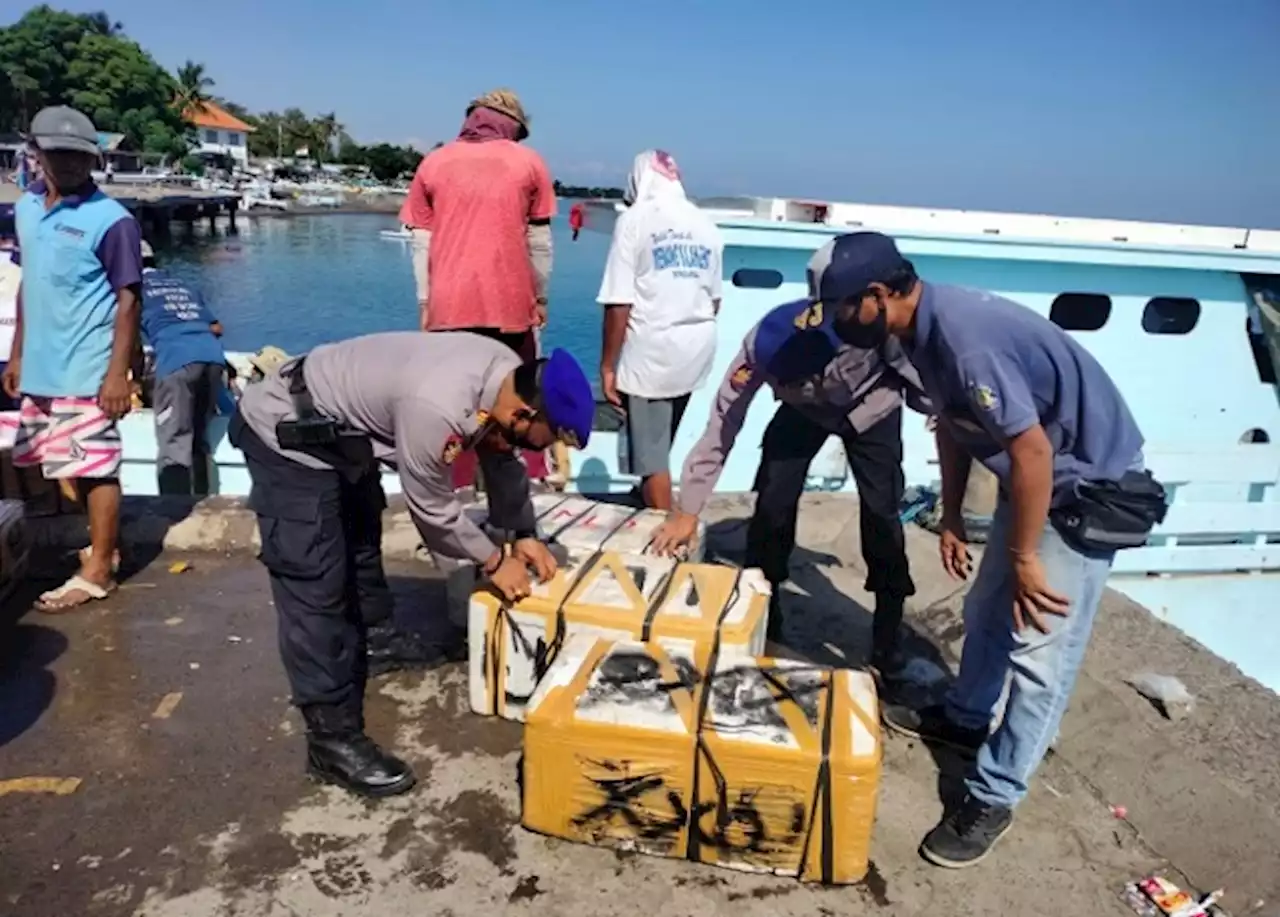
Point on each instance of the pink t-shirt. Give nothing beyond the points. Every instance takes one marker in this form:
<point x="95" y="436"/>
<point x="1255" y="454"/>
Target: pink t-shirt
<point x="477" y="199"/>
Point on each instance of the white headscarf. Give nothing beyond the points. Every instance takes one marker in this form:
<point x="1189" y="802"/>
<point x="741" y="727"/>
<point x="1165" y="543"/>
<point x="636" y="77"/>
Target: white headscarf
<point x="653" y="173"/>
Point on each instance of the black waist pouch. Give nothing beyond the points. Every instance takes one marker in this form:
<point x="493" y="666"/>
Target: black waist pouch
<point x="1105" y="516"/>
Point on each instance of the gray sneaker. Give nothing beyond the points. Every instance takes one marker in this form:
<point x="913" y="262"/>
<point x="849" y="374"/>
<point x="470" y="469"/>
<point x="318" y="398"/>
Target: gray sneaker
<point x="966" y="834"/>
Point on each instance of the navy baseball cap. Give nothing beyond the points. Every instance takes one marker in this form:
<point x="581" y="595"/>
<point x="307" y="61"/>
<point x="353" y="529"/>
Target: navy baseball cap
<point x="848" y="264"/>
<point x="567" y="400"/>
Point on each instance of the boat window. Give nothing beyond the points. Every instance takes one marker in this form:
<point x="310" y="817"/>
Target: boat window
<point x="757" y="278"/>
<point x="1080" y="311"/>
<point x="1170" y="315"/>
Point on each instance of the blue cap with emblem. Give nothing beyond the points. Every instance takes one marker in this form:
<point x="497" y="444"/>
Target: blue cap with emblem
<point x="567" y="400"/>
<point x="795" y="341"/>
<point x="848" y="264"/>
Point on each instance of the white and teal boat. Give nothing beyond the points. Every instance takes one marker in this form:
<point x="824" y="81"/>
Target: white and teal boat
<point x="1177" y="314"/>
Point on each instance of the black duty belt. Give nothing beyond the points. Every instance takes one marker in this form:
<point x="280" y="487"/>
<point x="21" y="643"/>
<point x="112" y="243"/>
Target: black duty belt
<point x="350" y="452"/>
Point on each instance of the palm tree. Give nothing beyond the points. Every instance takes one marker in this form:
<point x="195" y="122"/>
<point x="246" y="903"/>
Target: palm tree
<point x="192" y="86"/>
<point x="101" y="24"/>
<point x="327" y="129"/>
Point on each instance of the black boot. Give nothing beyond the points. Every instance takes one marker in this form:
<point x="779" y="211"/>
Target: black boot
<point x="339" y="752"/>
<point x="390" y="649"/>
<point x="886" y="654"/>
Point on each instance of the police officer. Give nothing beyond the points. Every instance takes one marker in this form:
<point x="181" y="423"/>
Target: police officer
<point x="312" y="435"/>
<point x="826" y="388"/>
<point x="1020" y="395"/>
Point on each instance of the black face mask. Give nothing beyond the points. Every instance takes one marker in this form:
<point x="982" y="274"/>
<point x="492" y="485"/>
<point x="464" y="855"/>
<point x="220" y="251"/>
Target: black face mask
<point x="866" y="337"/>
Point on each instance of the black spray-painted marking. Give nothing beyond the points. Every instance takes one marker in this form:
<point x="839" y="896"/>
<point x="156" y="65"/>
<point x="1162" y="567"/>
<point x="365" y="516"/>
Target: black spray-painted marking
<point x="633" y="677"/>
<point x="624" y="802"/>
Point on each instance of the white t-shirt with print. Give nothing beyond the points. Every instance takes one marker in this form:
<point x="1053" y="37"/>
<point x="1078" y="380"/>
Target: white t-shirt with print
<point x="665" y="261"/>
<point x="10" y="280"/>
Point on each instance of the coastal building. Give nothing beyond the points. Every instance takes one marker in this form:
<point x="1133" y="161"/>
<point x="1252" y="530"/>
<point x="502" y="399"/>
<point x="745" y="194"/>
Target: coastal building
<point x="219" y="133"/>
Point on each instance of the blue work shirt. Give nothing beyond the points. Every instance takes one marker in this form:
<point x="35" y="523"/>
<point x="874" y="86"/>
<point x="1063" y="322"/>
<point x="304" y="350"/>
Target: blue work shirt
<point x="994" y="368"/>
<point x="75" y="259"/>
<point x="177" y="323"/>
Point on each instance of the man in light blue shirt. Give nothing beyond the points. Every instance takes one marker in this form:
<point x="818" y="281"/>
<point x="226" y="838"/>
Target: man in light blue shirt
<point x="76" y="330"/>
<point x="189" y="365"/>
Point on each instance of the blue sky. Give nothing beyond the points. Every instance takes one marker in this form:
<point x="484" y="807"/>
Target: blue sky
<point x="1144" y="109"/>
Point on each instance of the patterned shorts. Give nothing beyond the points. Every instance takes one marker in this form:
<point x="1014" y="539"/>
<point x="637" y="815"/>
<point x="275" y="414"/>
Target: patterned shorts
<point x="67" y="437"/>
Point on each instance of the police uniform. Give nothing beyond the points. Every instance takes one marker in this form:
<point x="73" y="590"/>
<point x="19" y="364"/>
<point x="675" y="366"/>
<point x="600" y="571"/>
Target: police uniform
<point x="415" y="400"/>
<point x="826" y="388"/>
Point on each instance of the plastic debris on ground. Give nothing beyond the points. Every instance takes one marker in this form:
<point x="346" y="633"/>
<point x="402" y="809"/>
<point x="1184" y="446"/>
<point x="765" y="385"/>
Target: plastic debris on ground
<point x="179" y="566"/>
<point x="52" y="786"/>
<point x="766" y="766"/>
<point x="1156" y="896"/>
<point x="1166" y="693"/>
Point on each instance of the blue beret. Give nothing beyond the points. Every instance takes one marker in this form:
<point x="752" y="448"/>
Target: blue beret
<point x="795" y="341"/>
<point x="567" y="399"/>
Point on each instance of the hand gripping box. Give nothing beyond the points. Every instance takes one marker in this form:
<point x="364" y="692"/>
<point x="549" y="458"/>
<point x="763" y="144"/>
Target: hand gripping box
<point x="682" y="607"/>
<point x="768" y="766"/>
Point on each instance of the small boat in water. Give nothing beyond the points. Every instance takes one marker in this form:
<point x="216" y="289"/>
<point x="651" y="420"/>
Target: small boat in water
<point x="403" y="234"/>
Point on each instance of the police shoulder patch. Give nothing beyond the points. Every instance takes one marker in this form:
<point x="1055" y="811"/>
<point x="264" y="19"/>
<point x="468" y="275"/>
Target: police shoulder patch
<point x="740" y="378"/>
<point x="983" y="397"/>
<point x="810" y="317"/>
<point x="452" y="449"/>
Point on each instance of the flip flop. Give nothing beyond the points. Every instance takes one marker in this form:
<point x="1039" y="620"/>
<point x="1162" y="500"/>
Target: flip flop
<point x="55" y="600"/>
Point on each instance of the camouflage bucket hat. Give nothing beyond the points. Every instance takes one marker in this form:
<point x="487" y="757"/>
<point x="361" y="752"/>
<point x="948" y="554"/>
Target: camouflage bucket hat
<point x="505" y="102"/>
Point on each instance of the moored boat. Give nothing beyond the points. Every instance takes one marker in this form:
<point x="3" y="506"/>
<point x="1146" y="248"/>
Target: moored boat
<point x="1175" y="313"/>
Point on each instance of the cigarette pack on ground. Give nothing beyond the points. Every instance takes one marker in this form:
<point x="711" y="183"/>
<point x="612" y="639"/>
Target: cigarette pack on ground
<point x="768" y="766"/>
<point x="684" y="608"/>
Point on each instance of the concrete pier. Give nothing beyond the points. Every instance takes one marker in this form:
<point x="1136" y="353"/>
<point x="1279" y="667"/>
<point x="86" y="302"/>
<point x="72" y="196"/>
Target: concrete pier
<point x="168" y="705"/>
<point x="157" y="207"/>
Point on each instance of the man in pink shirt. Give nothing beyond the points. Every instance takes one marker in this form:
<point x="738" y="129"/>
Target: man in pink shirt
<point x="480" y="211"/>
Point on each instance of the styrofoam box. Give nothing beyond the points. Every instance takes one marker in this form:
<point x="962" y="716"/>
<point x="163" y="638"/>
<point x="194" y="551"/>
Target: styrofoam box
<point x="578" y="522"/>
<point x="685" y="608"/>
<point x="761" y="765"/>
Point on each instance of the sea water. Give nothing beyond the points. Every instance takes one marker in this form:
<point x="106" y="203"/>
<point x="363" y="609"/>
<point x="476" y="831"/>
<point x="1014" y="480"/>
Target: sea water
<point x="299" y="281"/>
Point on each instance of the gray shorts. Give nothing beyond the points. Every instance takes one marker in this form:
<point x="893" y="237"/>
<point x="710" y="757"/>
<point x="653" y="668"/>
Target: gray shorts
<point x="651" y="426"/>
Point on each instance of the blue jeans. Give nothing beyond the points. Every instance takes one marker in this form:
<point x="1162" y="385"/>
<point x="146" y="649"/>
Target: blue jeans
<point x="1042" y="667"/>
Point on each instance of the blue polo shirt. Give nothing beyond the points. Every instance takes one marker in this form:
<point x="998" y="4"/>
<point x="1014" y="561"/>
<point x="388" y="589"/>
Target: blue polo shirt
<point x="75" y="257"/>
<point x="995" y="368"/>
<point x="176" y="321"/>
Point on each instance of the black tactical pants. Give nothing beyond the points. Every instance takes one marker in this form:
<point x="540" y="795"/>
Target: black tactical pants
<point x="322" y="546"/>
<point x="875" y="457"/>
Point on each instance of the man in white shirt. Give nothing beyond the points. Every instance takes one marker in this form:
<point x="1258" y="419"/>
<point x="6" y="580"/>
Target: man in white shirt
<point x="10" y="280"/>
<point x="661" y="293"/>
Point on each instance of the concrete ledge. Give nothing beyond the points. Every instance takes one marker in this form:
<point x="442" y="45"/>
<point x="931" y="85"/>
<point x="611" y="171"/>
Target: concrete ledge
<point x="224" y="525"/>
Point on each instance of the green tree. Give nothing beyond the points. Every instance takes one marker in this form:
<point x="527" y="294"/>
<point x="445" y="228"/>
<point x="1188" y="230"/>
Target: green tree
<point x="103" y="24"/>
<point x="192" y="83"/>
<point x="388" y="162"/>
<point x="35" y="55"/>
<point x="50" y="57"/>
